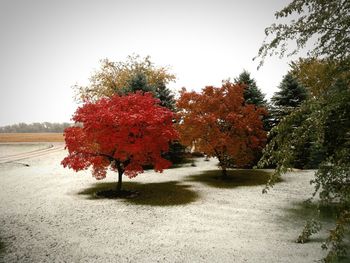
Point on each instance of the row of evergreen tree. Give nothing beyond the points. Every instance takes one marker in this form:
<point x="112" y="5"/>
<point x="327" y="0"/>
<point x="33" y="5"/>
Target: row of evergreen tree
<point x="289" y="96"/>
<point x="287" y="99"/>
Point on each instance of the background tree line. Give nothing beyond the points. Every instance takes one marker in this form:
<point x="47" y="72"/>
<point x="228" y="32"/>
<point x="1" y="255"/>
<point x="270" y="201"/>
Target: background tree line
<point x="35" y="127"/>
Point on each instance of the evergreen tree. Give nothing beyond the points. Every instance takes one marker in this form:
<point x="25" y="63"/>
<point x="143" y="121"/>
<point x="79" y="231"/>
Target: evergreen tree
<point x="252" y="94"/>
<point x="165" y="95"/>
<point x="139" y="82"/>
<point x="290" y="95"/>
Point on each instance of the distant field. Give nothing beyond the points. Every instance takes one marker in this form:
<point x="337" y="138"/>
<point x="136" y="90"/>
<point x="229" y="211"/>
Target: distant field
<point x="31" y="137"/>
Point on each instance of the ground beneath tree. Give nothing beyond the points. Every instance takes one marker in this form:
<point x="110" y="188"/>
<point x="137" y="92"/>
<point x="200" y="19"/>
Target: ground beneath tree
<point x="186" y="214"/>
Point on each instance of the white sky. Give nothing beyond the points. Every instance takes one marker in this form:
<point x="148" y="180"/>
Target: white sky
<point x="48" y="46"/>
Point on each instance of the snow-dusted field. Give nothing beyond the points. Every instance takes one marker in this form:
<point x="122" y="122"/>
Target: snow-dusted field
<point x="50" y="214"/>
<point x="10" y="149"/>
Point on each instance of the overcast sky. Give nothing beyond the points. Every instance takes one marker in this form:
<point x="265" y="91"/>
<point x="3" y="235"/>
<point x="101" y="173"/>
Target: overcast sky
<point x="48" y="46"/>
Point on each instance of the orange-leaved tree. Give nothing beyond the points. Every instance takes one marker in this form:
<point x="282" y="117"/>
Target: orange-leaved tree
<point x="122" y="133"/>
<point x="219" y="123"/>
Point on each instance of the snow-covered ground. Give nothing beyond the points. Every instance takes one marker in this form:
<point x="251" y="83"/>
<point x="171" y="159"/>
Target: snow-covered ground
<point x="50" y="214"/>
<point x="10" y="149"/>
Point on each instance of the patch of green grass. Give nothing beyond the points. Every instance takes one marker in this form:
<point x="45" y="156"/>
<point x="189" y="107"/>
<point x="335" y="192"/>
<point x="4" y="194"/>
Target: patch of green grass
<point x="235" y="178"/>
<point x="153" y="194"/>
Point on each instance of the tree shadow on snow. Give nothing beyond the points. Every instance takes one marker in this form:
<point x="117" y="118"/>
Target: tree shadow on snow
<point x="188" y="162"/>
<point x="153" y="194"/>
<point x="309" y="210"/>
<point x="298" y="213"/>
<point x="235" y="178"/>
<point x="2" y="248"/>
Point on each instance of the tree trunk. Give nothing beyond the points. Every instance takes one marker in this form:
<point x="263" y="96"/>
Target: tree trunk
<point x="119" y="184"/>
<point x="120" y="177"/>
<point x="223" y="167"/>
<point x="224" y="172"/>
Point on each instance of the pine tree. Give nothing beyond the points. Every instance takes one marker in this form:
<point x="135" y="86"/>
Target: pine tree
<point x="165" y="95"/>
<point x="139" y="81"/>
<point x="290" y="95"/>
<point x="252" y="94"/>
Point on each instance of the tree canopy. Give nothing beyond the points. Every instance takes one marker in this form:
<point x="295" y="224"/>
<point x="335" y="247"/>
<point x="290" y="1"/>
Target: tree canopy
<point x="325" y="22"/>
<point x="318" y="75"/>
<point x="122" y="133"/>
<point x="125" y="77"/>
<point x="219" y="123"/>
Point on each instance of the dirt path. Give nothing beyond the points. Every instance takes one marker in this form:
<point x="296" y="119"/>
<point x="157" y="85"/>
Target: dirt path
<point x="50" y="214"/>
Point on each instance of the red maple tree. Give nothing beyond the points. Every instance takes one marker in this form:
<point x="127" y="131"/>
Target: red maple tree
<point x="122" y="133"/>
<point x="219" y="123"/>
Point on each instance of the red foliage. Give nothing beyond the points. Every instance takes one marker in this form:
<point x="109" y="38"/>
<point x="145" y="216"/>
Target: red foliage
<point x="121" y="132"/>
<point x="219" y="123"/>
